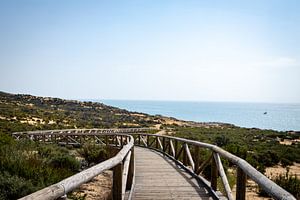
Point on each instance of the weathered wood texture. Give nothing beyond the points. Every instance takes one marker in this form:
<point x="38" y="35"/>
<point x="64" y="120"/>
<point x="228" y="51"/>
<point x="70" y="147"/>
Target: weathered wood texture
<point x="266" y="184"/>
<point x="69" y="184"/>
<point x="157" y="177"/>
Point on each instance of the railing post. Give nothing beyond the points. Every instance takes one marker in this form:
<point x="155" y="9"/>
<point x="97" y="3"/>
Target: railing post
<point x="156" y="142"/>
<point x="169" y="147"/>
<point x="106" y="140"/>
<point x="148" y="141"/>
<point x="176" y="149"/>
<point x="117" y="182"/>
<point x="241" y="185"/>
<point x="184" y="155"/>
<point x="214" y="175"/>
<point x="131" y="170"/>
<point x="196" y="158"/>
<point x="164" y="144"/>
<point x="139" y="139"/>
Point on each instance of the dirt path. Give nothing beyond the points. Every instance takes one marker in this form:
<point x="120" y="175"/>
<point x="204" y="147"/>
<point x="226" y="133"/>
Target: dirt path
<point x="99" y="188"/>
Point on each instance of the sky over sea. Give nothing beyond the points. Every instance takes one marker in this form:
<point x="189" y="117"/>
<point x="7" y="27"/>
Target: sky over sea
<point x="245" y="51"/>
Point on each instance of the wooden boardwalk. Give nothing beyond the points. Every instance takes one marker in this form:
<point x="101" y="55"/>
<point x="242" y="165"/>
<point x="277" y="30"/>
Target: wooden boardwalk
<point x="158" y="177"/>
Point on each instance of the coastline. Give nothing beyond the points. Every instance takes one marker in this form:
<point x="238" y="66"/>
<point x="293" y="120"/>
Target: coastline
<point x="284" y="118"/>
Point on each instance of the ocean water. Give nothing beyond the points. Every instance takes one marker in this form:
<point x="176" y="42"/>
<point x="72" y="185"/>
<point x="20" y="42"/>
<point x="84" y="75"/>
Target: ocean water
<point x="282" y="117"/>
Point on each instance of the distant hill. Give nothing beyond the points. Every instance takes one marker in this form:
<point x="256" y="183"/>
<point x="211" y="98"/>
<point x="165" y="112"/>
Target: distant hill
<point x="19" y="112"/>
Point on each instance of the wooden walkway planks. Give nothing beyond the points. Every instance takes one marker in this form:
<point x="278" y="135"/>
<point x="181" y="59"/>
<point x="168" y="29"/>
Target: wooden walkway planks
<point x="158" y="177"/>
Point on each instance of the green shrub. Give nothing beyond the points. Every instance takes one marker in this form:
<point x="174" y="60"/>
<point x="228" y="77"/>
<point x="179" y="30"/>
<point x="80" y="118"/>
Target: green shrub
<point x="6" y="139"/>
<point x="28" y="167"/>
<point x="64" y="161"/>
<point x="13" y="187"/>
<point x="289" y="182"/>
<point x="93" y="153"/>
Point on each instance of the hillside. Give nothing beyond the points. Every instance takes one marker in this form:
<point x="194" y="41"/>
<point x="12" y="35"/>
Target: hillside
<point x="261" y="148"/>
<point x="25" y="112"/>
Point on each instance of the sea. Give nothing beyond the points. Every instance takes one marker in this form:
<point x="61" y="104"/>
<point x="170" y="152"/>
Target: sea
<point x="281" y="117"/>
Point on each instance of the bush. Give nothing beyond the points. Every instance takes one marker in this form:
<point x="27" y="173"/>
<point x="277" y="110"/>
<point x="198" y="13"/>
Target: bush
<point x="93" y="153"/>
<point x="290" y="183"/>
<point x="13" y="187"/>
<point x="30" y="170"/>
<point x="6" y="139"/>
<point x="64" y="161"/>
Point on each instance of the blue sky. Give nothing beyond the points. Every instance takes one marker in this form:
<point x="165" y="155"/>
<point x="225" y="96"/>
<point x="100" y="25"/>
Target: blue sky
<point x="151" y="49"/>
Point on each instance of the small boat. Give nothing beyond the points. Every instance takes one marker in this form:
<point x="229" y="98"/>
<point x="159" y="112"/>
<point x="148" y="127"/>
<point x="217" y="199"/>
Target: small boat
<point x="265" y="113"/>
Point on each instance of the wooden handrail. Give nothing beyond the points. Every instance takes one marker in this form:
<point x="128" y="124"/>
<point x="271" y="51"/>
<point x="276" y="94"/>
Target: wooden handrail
<point x="244" y="168"/>
<point x="179" y="151"/>
<point x="121" y="161"/>
<point x="82" y="131"/>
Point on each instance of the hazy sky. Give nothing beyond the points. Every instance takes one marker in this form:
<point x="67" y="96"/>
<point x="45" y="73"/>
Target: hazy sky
<point x="152" y="49"/>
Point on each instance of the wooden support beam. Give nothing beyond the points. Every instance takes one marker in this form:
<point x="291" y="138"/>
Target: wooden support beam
<point x="131" y="171"/>
<point x="213" y="175"/>
<point x="184" y="155"/>
<point x="204" y="164"/>
<point x="148" y="141"/>
<point x="241" y="184"/>
<point x="159" y="143"/>
<point x="117" y="182"/>
<point x="176" y="149"/>
<point x="150" y="145"/>
<point x="223" y="176"/>
<point x="143" y="140"/>
<point x="169" y="147"/>
<point x="121" y="143"/>
<point x="106" y="140"/>
<point x="179" y="152"/>
<point x="196" y="158"/>
<point x="164" y="144"/>
<point x="189" y="156"/>
<point x="172" y="148"/>
<point x="139" y="139"/>
<point x="125" y="173"/>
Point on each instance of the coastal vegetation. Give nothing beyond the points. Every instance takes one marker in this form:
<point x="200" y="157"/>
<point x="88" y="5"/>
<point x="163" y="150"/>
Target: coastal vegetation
<point x="261" y="148"/>
<point x="26" y="166"/>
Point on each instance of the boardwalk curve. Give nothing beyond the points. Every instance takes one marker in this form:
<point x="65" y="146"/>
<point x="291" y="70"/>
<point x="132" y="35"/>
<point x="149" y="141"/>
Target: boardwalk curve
<point x="163" y="167"/>
<point x="158" y="177"/>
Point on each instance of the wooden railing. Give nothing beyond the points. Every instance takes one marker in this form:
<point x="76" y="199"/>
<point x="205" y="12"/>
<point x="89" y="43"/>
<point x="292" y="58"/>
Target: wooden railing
<point x="179" y="150"/>
<point x="186" y="152"/>
<point x="122" y="163"/>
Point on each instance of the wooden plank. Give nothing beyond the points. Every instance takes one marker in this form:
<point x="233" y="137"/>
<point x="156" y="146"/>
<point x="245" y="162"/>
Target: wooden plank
<point x="158" y="177"/>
